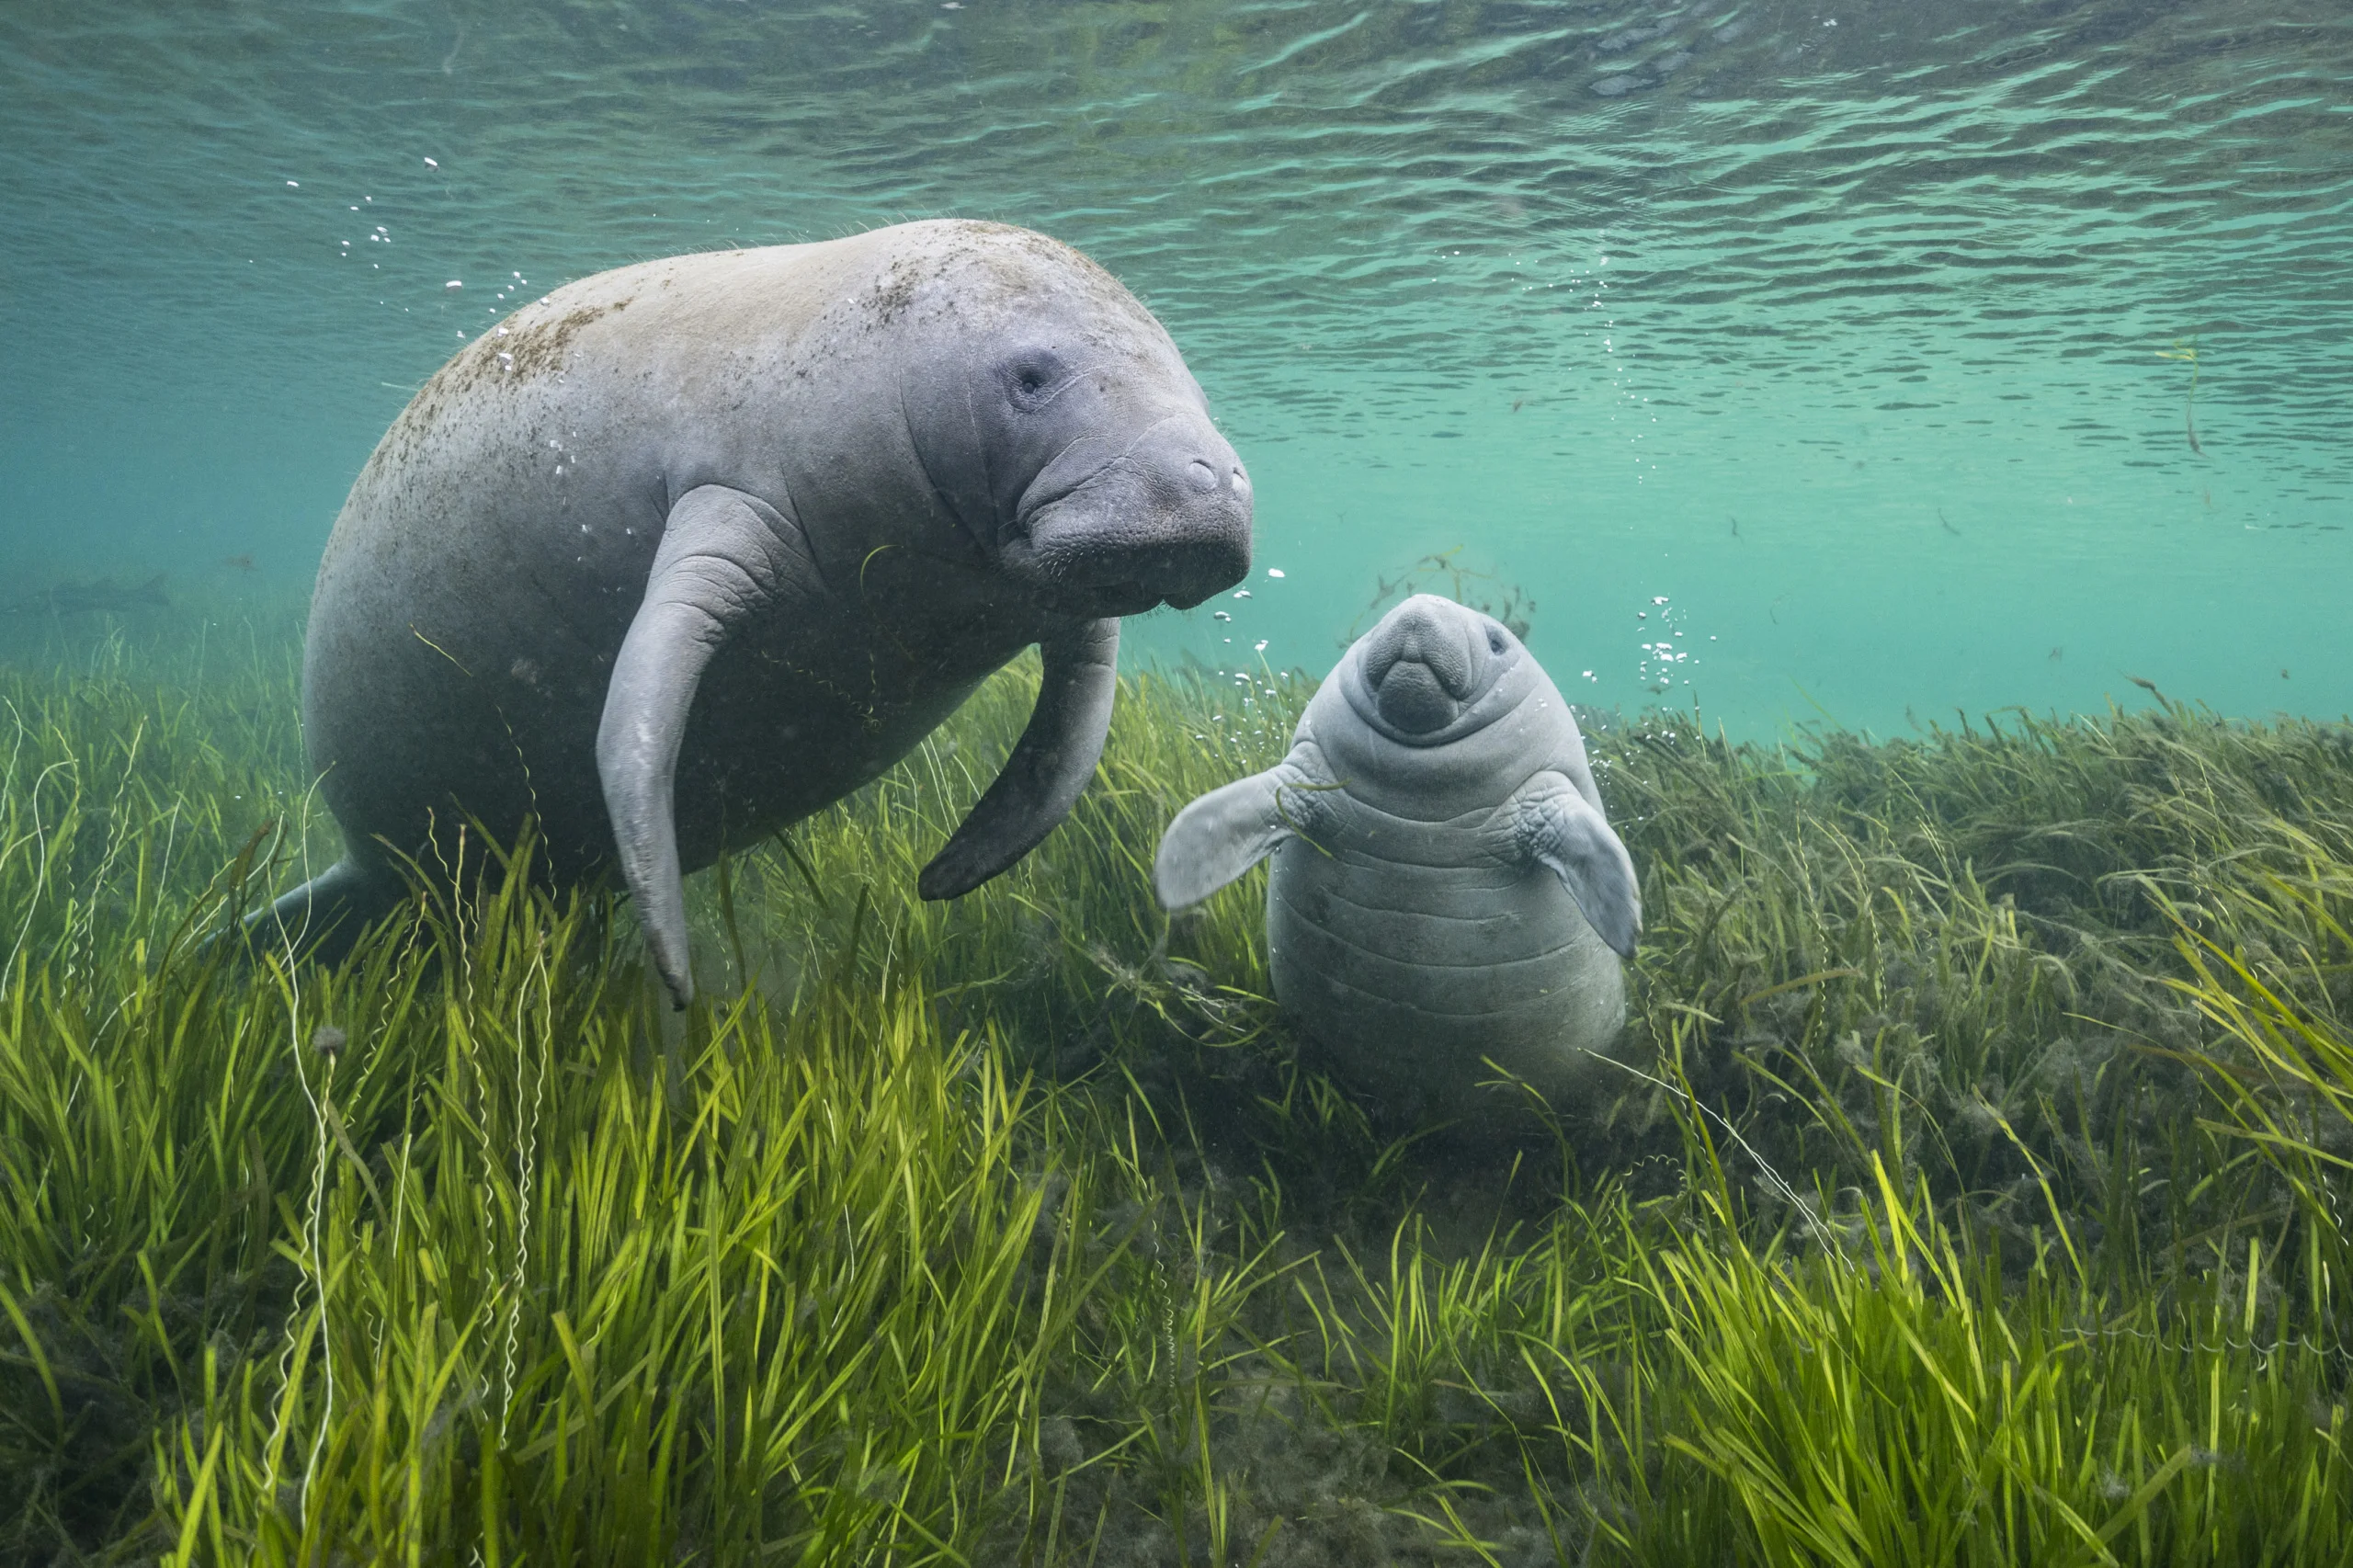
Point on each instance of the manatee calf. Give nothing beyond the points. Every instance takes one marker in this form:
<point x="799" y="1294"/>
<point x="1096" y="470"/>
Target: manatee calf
<point x="688" y="551"/>
<point x="1445" y="887"/>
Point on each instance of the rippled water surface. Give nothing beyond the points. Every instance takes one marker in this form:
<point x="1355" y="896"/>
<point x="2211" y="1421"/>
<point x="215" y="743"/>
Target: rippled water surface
<point x="1876" y="357"/>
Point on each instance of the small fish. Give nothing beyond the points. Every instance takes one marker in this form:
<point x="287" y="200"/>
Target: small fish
<point x="2057" y="654"/>
<point x="241" y="562"/>
<point x="98" y="594"/>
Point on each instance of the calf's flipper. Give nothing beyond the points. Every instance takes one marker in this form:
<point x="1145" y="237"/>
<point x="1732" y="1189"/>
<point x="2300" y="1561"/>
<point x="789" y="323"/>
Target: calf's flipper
<point x="1557" y="827"/>
<point x="1233" y="827"/>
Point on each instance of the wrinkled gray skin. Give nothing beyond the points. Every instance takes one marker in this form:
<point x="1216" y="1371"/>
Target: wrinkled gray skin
<point x="1445" y="887"/>
<point x="688" y="551"/>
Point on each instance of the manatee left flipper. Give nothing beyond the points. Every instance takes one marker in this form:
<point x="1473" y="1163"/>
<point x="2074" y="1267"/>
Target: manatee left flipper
<point x="1048" y="768"/>
<point x="1554" y="825"/>
<point x="725" y="558"/>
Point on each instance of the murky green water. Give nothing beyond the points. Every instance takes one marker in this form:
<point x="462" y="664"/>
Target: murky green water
<point x="1861" y="334"/>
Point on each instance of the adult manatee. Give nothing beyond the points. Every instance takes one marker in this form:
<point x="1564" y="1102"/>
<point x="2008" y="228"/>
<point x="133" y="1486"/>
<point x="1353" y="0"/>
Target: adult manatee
<point x="688" y="549"/>
<point x="1445" y="886"/>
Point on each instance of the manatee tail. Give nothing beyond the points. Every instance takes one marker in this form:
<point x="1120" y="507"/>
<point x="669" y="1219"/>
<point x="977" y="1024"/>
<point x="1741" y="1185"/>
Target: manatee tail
<point x="324" y="917"/>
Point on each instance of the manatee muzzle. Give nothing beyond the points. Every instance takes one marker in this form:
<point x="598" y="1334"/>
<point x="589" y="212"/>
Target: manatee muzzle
<point x="1423" y="664"/>
<point x="1168" y="520"/>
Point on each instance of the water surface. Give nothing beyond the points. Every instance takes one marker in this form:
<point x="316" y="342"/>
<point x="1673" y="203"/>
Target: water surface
<point x="1848" y="351"/>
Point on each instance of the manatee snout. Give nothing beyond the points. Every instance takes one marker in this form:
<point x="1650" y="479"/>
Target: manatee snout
<point x="1167" y="520"/>
<point x="1425" y="659"/>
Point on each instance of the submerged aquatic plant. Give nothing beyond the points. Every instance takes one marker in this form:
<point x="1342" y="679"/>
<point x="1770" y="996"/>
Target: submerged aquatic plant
<point x="2187" y="349"/>
<point x="1481" y="591"/>
<point x="1977" y="1195"/>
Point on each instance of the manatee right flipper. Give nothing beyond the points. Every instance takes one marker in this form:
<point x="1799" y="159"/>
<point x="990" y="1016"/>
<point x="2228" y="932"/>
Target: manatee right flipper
<point x="1233" y="827"/>
<point x="725" y="558"/>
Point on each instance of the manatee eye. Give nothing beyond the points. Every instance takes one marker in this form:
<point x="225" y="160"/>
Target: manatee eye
<point x="1495" y="640"/>
<point x="1031" y="379"/>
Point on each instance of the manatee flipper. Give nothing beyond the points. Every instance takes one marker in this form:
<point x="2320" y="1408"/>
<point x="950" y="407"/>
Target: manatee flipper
<point x="725" y="558"/>
<point x="1554" y="826"/>
<point x="1048" y="767"/>
<point x="324" y="917"/>
<point x="1233" y="827"/>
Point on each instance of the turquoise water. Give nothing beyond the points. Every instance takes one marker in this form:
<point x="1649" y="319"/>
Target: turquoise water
<point x="1851" y="344"/>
